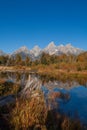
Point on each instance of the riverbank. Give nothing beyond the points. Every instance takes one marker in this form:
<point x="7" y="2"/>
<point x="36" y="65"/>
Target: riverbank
<point x="14" y="68"/>
<point x="48" y="71"/>
<point x="41" y="69"/>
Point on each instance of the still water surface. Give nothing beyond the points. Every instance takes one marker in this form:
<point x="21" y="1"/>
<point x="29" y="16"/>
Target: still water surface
<point x="77" y="104"/>
<point x="78" y="94"/>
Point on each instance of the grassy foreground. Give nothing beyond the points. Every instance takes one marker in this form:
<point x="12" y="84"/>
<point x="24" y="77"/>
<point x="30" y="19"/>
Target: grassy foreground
<point x="33" y="114"/>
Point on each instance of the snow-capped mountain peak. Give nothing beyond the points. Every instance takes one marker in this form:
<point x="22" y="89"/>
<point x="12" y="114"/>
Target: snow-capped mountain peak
<point x="69" y="49"/>
<point x="36" y="51"/>
<point x="22" y="49"/>
<point x="36" y="48"/>
<point x="51" y="45"/>
<point x="51" y="49"/>
<point x="61" y="49"/>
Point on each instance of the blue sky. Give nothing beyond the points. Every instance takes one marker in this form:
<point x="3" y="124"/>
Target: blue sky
<point x="31" y="22"/>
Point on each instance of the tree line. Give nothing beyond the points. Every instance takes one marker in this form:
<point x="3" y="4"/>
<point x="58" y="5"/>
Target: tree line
<point x="45" y="59"/>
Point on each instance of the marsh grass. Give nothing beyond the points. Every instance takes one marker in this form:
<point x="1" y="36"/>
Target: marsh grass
<point x="29" y="113"/>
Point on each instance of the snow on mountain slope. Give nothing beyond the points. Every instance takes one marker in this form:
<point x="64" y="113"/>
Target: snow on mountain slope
<point x="51" y="49"/>
<point x="61" y="49"/>
<point x="36" y="51"/>
<point x="23" y="49"/>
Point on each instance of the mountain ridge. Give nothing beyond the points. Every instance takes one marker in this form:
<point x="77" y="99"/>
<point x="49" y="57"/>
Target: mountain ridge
<point x="50" y="49"/>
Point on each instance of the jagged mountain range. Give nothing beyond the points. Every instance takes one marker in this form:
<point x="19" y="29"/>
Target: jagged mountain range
<point x="51" y="49"/>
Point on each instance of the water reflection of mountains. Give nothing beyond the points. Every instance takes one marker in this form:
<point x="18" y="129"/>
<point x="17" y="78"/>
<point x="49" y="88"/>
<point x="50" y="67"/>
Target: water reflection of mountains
<point x="62" y="85"/>
<point x="23" y="77"/>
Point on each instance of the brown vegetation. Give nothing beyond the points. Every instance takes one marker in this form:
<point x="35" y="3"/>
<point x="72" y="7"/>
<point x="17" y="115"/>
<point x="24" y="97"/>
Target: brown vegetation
<point x="7" y="88"/>
<point x="29" y="113"/>
<point x="54" y="67"/>
<point x="33" y="113"/>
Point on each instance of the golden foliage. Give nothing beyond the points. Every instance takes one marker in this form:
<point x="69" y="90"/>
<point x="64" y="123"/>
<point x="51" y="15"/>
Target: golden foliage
<point x="28" y="113"/>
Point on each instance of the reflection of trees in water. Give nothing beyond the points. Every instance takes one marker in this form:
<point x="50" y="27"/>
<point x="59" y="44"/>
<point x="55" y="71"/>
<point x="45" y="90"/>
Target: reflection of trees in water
<point x="79" y="79"/>
<point x="54" y="120"/>
<point x="14" y="76"/>
<point x="70" y="82"/>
